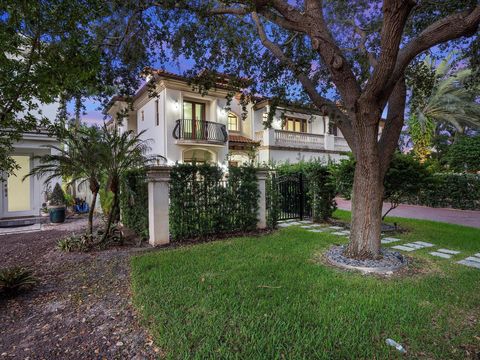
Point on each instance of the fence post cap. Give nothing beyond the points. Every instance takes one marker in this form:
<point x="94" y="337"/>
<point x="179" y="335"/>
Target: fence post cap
<point x="158" y="173"/>
<point x="262" y="173"/>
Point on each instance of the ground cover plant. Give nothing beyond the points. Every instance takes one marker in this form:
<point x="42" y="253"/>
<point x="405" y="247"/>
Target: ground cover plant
<point x="273" y="297"/>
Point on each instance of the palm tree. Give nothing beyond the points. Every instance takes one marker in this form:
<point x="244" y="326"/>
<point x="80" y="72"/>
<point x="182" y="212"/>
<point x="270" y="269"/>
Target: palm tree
<point x="450" y="101"/>
<point x="125" y="151"/>
<point x="79" y="159"/>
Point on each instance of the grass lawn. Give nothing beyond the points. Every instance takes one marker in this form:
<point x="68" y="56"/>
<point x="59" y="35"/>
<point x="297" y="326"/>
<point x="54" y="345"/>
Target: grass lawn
<point x="270" y="297"/>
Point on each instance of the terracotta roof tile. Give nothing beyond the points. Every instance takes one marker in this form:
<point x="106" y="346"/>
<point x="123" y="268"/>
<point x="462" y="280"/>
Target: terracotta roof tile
<point x="241" y="139"/>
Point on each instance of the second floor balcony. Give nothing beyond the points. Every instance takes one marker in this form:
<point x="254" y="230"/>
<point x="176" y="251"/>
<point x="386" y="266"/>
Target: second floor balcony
<point x="282" y="139"/>
<point x="189" y="131"/>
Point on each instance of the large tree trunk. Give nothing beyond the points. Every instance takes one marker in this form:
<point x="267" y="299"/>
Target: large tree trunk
<point x="367" y="197"/>
<point x="366" y="210"/>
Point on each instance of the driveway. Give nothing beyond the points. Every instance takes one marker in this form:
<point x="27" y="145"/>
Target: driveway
<point x="452" y="216"/>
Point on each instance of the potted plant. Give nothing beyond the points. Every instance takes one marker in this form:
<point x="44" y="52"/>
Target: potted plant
<point x="57" y="205"/>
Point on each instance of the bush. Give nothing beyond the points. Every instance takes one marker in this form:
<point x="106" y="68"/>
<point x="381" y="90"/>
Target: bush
<point x="203" y="203"/>
<point x="464" y="155"/>
<point x="13" y="280"/>
<point x="106" y="196"/>
<point x="459" y="191"/>
<point x="57" y="197"/>
<point x="321" y="192"/>
<point x="134" y="202"/>
<point x="75" y="243"/>
<point x="408" y="181"/>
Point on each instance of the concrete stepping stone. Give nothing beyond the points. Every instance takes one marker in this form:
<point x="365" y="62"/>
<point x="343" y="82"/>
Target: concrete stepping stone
<point x="446" y="251"/>
<point x="305" y="222"/>
<point x="346" y="232"/>
<point x="316" y="230"/>
<point x="336" y="227"/>
<point x="389" y="240"/>
<point x="439" y="254"/>
<point x="474" y="264"/>
<point x="339" y="233"/>
<point x="414" y="245"/>
<point x="477" y="255"/>
<point x="284" y="225"/>
<point x="403" y="248"/>
<point x="473" y="258"/>
<point x="306" y="226"/>
<point x="423" y="243"/>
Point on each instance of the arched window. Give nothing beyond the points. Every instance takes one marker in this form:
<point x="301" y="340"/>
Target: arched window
<point x="198" y="156"/>
<point x="233" y="122"/>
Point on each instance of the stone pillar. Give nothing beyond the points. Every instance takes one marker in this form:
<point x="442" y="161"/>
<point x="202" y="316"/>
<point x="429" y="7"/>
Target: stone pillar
<point x="262" y="200"/>
<point x="329" y="142"/>
<point x="158" y="205"/>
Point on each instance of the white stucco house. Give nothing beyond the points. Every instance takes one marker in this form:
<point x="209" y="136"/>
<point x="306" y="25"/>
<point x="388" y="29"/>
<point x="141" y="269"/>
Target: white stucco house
<point x="185" y="126"/>
<point x="22" y="199"/>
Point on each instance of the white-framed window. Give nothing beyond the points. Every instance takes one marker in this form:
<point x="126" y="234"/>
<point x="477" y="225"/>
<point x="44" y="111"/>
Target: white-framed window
<point x="233" y="122"/>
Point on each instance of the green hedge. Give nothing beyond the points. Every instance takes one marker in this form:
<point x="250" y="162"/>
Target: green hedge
<point x="205" y="201"/>
<point x="459" y="191"/>
<point x="134" y="202"/>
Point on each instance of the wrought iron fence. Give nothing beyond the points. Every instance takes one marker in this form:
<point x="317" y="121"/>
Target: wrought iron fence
<point x="200" y="130"/>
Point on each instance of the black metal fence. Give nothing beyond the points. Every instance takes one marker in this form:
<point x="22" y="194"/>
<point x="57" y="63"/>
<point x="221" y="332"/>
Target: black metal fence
<point x="293" y="201"/>
<point x="200" y="130"/>
<point x="203" y="204"/>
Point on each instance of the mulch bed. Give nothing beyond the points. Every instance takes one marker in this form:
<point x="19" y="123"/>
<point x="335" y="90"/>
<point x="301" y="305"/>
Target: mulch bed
<point x="81" y="309"/>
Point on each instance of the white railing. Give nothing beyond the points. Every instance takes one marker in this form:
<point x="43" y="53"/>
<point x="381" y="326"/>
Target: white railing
<point x="290" y="138"/>
<point x="341" y="144"/>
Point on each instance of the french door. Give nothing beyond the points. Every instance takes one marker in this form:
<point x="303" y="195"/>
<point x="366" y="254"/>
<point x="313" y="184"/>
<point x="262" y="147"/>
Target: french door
<point x="17" y="194"/>
<point x="194" y="125"/>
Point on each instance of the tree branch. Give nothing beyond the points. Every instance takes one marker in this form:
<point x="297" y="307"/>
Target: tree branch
<point x="449" y="28"/>
<point x="393" y="126"/>
<point x="326" y="106"/>
<point x="395" y="16"/>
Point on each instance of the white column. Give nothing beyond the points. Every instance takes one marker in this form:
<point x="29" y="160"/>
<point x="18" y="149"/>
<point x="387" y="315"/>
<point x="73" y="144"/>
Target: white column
<point x="158" y="205"/>
<point x="262" y="200"/>
<point x="329" y="142"/>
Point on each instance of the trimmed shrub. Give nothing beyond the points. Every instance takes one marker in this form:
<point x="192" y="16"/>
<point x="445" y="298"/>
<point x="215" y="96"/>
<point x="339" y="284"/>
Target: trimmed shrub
<point x="409" y="182"/>
<point x="203" y="201"/>
<point x="57" y="197"/>
<point x="134" y="202"/>
<point x="459" y="191"/>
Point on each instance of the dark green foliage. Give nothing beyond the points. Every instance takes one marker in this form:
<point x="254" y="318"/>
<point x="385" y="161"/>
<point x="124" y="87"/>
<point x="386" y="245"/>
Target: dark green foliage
<point x="57" y="198"/>
<point x="134" y="202"/>
<point x="405" y="178"/>
<point x="344" y="172"/>
<point x="13" y="280"/>
<point x="74" y="243"/>
<point x="203" y="203"/>
<point x="321" y="192"/>
<point x="464" y="155"/>
<point x="459" y="191"/>
<point x="408" y="181"/>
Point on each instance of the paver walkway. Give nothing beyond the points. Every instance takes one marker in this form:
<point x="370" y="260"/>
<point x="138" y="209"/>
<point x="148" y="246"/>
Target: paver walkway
<point x="452" y="216"/>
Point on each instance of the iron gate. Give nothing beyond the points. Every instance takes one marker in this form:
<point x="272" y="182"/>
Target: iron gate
<point x="293" y="200"/>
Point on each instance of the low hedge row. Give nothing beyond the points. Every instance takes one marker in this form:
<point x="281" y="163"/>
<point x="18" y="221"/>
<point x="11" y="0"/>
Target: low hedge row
<point x="134" y="202"/>
<point x="459" y="191"/>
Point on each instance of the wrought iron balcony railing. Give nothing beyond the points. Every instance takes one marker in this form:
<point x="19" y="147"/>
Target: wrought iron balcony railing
<point x="200" y="131"/>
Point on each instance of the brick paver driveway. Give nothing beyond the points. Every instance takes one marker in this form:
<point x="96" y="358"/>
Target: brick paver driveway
<point x="452" y="216"/>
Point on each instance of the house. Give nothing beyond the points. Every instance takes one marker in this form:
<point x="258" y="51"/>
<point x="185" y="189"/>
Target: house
<point x="22" y="199"/>
<point x="186" y="126"/>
